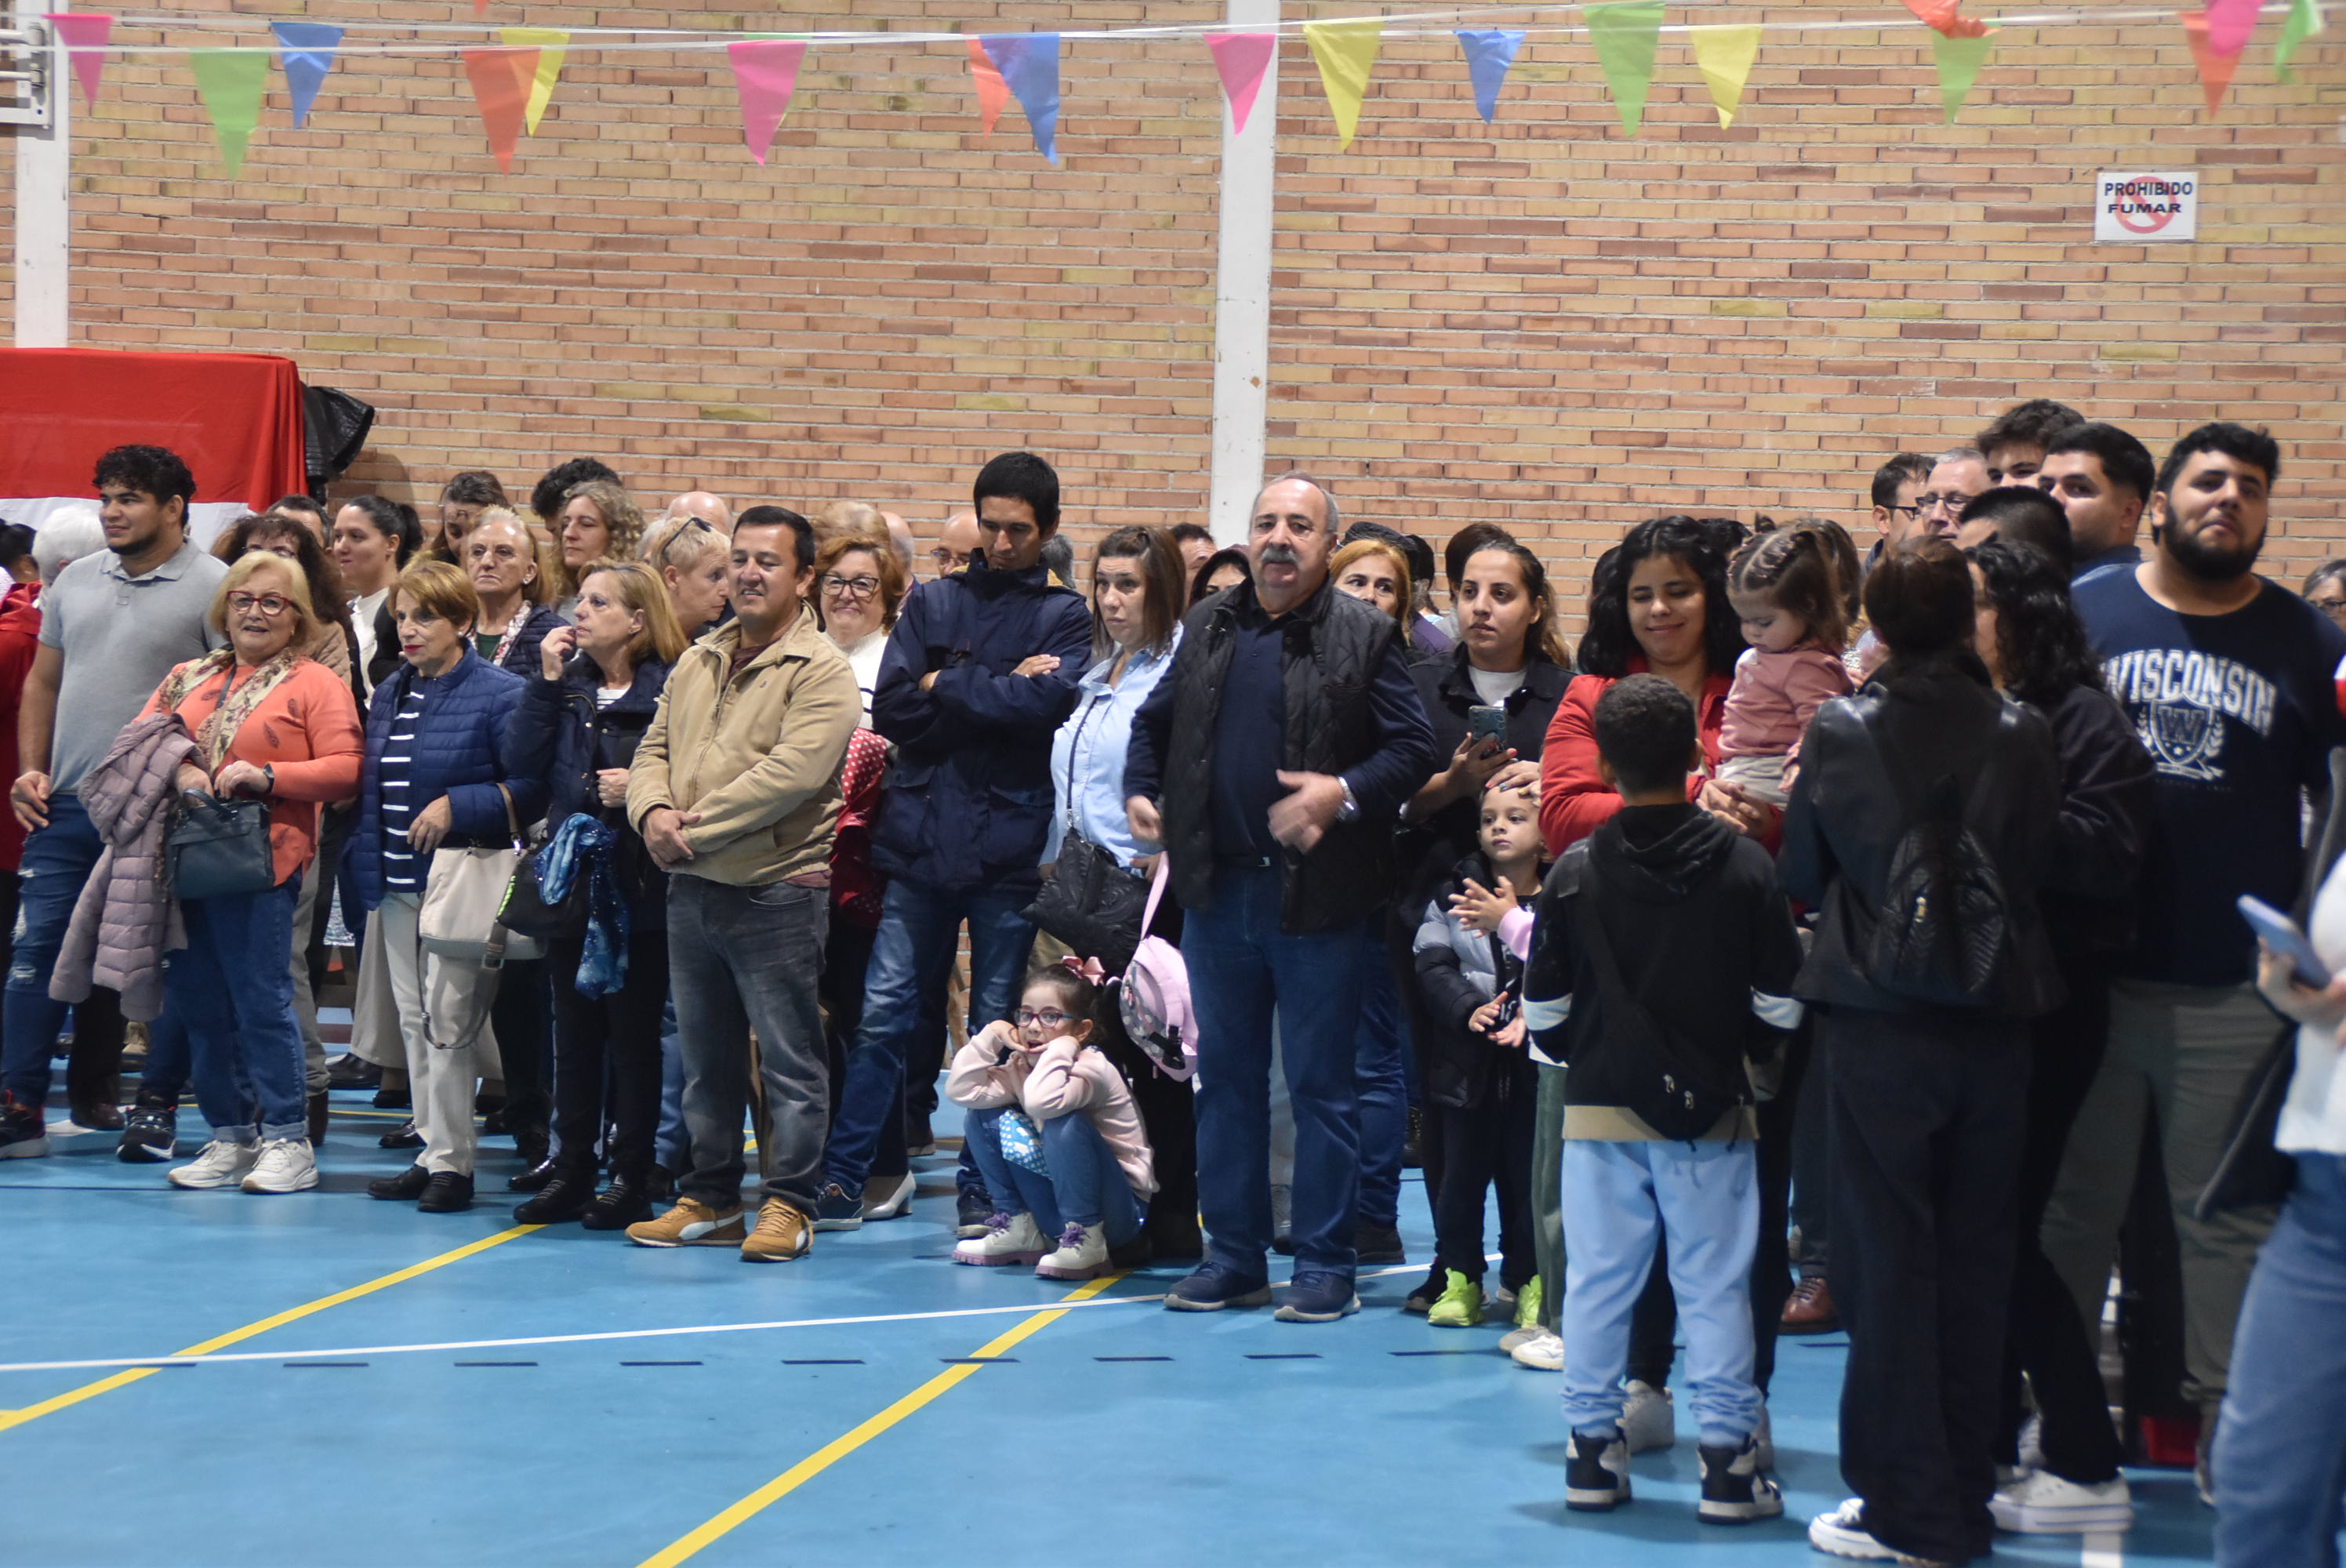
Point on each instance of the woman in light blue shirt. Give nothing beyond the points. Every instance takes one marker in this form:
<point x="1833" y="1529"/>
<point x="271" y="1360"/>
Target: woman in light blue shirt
<point x="1136" y="593"/>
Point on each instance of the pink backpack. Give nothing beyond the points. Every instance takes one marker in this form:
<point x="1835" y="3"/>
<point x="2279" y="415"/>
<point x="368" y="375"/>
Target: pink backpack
<point x="1153" y="995"/>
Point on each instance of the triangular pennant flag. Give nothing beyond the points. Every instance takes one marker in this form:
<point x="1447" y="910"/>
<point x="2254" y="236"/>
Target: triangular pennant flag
<point x="2304" y="21"/>
<point x="1489" y="52"/>
<point x="1241" y="59"/>
<point x="1724" y="57"/>
<point x="1029" y="63"/>
<point x="765" y="73"/>
<point x="83" y="33"/>
<point x="1959" y="60"/>
<point x="231" y="82"/>
<point x="2215" y="70"/>
<point x="551" y="44"/>
<point x="501" y="79"/>
<point x="1940" y="18"/>
<point x="1345" y="53"/>
<point x="308" y="53"/>
<point x="2230" y="22"/>
<point x="1624" y="33"/>
<point x="992" y="92"/>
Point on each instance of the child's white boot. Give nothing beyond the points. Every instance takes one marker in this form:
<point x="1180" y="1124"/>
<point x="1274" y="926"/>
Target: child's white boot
<point x="1083" y="1253"/>
<point x="1008" y="1239"/>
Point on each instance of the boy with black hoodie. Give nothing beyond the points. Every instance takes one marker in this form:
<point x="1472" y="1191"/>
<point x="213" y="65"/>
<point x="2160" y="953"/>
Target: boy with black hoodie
<point x="1663" y="956"/>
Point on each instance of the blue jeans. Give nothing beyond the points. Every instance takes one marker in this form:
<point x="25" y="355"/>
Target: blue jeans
<point x="231" y="989"/>
<point x="2280" y="1445"/>
<point x="1243" y="969"/>
<point x="1086" y="1185"/>
<point x="58" y="860"/>
<point x="1380" y="1087"/>
<point x="1619" y="1199"/>
<point x="911" y="956"/>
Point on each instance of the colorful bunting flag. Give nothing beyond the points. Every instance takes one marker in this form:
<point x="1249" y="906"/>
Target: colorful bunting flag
<point x="992" y="92"/>
<point x="1625" y="34"/>
<point x="231" y="82"/>
<point x="1345" y="53"/>
<point x="1724" y="56"/>
<point x="1029" y="63"/>
<point x="765" y="73"/>
<point x="1489" y="52"/>
<point x="501" y="83"/>
<point x="83" y="33"/>
<point x="1959" y="58"/>
<point x="1940" y="18"/>
<point x="2215" y="69"/>
<point x="2304" y="21"/>
<point x="551" y="44"/>
<point x="307" y="52"/>
<point x="1241" y="59"/>
<point x="2230" y="22"/>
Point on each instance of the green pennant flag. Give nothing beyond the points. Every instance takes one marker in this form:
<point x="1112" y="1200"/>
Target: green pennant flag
<point x="231" y="82"/>
<point x="1959" y="61"/>
<point x="2304" y="20"/>
<point x="1624" y="33"/>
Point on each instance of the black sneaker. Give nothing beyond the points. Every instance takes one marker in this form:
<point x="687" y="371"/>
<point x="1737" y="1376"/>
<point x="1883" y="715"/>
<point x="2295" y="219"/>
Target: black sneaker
<point x="618" y="1206"/>
<point x="352" y="1071"/>
<point x="837" y="1209"/>
<point x="446" y="1192"/>
<point x="149" y="1135"/>
<point x="971" y="1211"/>
<point x="563" y="1198"/>
<point x="1318" y="1296"/>
<point x="1377" y="1244"/>
<point x="1597" y="1474"/>
<point x="23" y="1136"/>
<point x="1422" y="1299"/>
<point x="1733" y="1490"/>
<point x="1216" y="1286"/>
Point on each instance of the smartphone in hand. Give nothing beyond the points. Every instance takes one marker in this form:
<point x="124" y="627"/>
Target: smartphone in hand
<point x="2281" y="933"/>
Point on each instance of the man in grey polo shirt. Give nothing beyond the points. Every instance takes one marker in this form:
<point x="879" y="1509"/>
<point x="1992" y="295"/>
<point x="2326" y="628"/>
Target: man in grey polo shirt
<point x="112" y="625"/>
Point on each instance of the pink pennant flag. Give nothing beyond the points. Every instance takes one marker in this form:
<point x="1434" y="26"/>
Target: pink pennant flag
<point x="992" y="92"/>
<point x="501" y="79"/>
<point x="2229" y="24"/>
<point x="83" y="33"/>
<point x="2215" y="67"/>
<point x="1241" y="58"/>
<point x="766" y="71"/>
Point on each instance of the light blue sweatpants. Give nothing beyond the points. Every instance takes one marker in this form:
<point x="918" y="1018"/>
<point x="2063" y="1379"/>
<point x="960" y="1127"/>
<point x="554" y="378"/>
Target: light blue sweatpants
<point x="1619" y="1198"/>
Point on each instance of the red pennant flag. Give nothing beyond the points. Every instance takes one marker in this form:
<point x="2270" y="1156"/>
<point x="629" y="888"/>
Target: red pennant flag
<point x="83" y="33"/>
<point x="1940" y="17"/>
<point x="501" y="79"/>
<point x="2215" y="69"/>
<point x="992" y="92"/>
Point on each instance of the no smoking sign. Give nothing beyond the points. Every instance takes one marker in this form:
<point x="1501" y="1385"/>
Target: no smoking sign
<point x="2142" y="209"/>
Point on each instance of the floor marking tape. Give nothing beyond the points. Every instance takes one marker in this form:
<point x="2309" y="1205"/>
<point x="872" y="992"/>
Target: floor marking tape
<point x="145" y="1366"/>
<point x="839" y="1447"/>
<point x="2103" y="1549"/>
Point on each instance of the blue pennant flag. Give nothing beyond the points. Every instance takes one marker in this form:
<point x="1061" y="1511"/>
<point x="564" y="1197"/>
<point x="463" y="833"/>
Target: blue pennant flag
<point x="1029" y="63"/>
<point x="309" y="54"/>
<point x="1489" y="52"/>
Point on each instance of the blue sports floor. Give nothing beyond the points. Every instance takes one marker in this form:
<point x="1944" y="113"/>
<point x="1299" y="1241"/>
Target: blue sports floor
<point x="384" y="1387"/>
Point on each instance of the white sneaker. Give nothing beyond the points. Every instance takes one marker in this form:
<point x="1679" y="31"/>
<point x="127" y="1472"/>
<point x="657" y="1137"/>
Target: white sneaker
<point x="219" y="1164"/>
<point x="1007" y="1240"/>
<point x="888" y="1199"/>
<point x="2043" y="1504"/>
<point x="1543" y="1352"/>
<point x="286" y="1165"/>
<point x="1843" y="1534"/>
<point x="1648" y="1418"/>
<point x="1515" y="1337"/>
<point x="1083" y="1253"/>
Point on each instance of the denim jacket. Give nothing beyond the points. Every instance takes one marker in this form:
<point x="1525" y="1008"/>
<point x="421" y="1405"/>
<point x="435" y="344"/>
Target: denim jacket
<point x="1088" y="751"/>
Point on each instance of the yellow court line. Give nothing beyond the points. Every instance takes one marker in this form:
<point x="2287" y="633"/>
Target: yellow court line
<point x="839" y="1447"/>
<point x="13" y="1419"/>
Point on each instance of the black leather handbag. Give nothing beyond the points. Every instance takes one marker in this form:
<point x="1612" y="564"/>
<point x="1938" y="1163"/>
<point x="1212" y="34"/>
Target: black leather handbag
<point x="1091" y="902"/>
<point x="217" y="847"/>
<point x="526" y="911"/>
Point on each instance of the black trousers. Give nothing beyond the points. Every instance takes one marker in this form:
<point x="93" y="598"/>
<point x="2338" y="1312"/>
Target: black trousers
<point x="607" y="1056"/>
<point x="1481" y="1145"/>
<point x="520" y="1015"/>
<point x="2045" y="1337"/>
<point x="1930" y="1116"/>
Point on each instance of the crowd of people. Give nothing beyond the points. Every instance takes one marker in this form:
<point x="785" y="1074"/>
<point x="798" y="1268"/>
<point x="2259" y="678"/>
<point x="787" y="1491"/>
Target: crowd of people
<point x="1815" y="944"/>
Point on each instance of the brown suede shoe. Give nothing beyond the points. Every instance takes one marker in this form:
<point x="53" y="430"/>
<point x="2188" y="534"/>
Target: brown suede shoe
<point x="1811" y="1309"/>
<point x="690" y="1224"/>
<point x="783" y="1235"/>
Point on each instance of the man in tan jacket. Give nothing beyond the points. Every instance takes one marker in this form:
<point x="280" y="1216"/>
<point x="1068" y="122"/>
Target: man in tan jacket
<point x="735" y="790"/>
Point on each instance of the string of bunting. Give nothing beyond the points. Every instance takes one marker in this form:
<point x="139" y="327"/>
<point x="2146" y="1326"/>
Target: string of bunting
<point x="514" y="71"/>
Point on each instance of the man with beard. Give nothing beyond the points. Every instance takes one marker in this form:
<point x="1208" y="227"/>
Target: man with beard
<point x="2230" y="679"/>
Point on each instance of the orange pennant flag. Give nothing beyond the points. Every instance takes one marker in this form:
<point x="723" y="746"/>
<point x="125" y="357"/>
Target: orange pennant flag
<point x="2215" y="69"/>
<point x="992" y="92"/>
<point x="1940" y="18"/>
<point x="501" y="81"/>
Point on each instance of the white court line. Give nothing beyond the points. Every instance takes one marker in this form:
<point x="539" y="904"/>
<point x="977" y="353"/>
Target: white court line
<point x="1027" y="1307"/>
<point x="2103" y="1549"/>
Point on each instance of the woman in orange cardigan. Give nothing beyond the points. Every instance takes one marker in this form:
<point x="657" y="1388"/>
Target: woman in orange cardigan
<point x="269" y="721"/>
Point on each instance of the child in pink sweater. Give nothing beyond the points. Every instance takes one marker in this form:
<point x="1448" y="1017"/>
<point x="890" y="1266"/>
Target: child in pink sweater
<point x="1053" y="1130"/>
<point x="1787" y="588"/>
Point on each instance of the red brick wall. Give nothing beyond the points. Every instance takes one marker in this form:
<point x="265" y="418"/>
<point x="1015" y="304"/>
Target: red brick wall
<point x="1539" y="321"/>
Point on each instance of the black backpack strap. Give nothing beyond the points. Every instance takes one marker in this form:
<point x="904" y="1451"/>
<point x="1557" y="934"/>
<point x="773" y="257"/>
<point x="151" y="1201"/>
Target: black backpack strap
<point x="1623" y="1006"/>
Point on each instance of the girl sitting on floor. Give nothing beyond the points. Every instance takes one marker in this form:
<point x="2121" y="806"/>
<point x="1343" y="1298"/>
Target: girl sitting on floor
<point x="1052" y="1131"/>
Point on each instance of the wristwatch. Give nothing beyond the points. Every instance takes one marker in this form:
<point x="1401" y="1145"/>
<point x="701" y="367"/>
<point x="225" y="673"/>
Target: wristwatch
<point x="268" y="780"/>
<point x="1350" y="808"/>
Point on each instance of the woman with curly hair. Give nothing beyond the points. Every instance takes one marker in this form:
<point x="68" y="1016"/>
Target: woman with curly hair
<point x="597" y="522"/>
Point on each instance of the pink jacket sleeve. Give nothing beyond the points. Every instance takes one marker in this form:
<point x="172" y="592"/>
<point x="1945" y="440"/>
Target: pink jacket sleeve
<point x="977" y="1084"/>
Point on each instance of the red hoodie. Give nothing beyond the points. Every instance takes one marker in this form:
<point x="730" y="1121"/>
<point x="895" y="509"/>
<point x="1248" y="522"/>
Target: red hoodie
<point x="20" y="637"/>
<point x="1574" y="801"/>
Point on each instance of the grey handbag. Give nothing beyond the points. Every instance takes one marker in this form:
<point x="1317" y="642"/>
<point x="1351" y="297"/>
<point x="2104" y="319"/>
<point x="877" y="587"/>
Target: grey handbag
<point x="216" y="848"/>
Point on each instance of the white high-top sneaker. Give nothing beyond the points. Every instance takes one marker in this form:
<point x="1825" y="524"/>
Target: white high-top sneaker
<point x="1083" y="1252"/>
<point x="220" y="1164"/>
<point x="286" y="1165"/>
<point x="1008" y="1239"/>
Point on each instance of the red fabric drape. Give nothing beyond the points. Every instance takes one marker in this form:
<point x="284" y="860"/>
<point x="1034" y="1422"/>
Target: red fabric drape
<point x="235" y="419"/>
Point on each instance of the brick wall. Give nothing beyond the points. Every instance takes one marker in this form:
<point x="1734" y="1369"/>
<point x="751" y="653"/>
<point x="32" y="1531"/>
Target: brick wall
<point x="1539" y="321"/>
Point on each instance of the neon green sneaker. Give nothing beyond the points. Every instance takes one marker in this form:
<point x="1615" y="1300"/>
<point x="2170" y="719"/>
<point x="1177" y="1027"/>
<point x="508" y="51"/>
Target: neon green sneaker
<point x="1461" y="1303"/>
<point x="1528" y="1304"/>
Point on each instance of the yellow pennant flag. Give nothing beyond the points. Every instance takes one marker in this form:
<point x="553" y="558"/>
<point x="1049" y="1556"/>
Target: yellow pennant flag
<point x="1344" y="51"/>
<point x="550" y="44"/>
<point x="1724" y="56"/>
